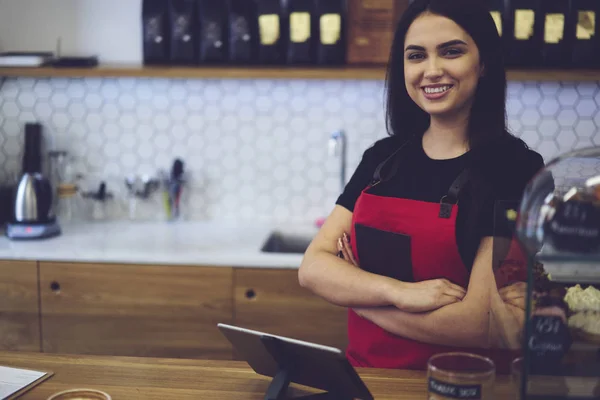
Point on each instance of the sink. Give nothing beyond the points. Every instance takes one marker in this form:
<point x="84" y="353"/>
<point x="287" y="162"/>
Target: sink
<point x="280" y="242"/>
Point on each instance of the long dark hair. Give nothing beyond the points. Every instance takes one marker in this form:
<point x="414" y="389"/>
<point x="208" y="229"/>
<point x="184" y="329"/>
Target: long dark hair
<point x="488" y="114"/>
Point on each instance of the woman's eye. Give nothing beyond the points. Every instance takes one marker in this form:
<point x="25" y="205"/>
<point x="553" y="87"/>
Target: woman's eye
<point x="416" y="56"/>
<point x="452" y="52"/>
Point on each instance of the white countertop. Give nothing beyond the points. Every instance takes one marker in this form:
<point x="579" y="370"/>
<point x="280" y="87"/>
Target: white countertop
<point x="212" y="243"/>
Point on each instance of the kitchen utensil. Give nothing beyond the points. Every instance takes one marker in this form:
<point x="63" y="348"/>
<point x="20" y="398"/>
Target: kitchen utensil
<point x="33" y="212"/>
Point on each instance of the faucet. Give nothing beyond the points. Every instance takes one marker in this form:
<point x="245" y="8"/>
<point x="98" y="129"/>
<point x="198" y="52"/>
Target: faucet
<point x="337" y="147"/>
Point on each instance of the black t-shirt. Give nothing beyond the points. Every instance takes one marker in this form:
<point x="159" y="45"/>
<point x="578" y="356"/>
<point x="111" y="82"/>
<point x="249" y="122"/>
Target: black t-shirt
<point x="418" y="177"/>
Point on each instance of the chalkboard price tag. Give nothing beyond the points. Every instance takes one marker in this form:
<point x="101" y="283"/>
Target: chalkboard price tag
<point x="453" y="391"/>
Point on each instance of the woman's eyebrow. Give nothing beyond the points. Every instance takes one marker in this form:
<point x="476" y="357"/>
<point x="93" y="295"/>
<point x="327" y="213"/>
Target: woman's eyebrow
<point x="439" y="46"/>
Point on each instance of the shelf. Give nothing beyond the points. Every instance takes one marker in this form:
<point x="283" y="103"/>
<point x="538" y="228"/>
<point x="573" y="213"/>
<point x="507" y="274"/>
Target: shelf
<point x="229" y="72"/>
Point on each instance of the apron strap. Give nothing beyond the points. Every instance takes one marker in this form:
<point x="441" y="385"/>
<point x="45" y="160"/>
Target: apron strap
<point x="452" y="197"/>
<point x="377" y="178"/>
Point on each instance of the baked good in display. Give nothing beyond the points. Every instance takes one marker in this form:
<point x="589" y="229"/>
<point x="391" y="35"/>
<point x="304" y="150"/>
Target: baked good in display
<point x="584" y="305"/>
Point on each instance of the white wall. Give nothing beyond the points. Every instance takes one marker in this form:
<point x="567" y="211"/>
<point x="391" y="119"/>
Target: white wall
<point x="110" y="29"/>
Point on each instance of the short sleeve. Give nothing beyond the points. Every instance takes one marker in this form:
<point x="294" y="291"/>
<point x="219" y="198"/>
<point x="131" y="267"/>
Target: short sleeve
<point x="360" y="179"/>
<point x="507" y="194"/>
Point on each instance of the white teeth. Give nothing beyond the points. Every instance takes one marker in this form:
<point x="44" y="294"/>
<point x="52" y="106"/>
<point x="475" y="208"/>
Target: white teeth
<point x="440" y="89"/>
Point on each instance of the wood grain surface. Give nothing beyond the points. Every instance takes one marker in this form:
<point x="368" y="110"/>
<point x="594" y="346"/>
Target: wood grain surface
<point x="19" y="306"/>
<point x="272" y="301"/>
<point x="127" y="378"/>
<point x="135" y="310"/>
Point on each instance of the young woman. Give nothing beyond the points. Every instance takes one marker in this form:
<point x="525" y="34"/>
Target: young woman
<point x="415" y="224"/>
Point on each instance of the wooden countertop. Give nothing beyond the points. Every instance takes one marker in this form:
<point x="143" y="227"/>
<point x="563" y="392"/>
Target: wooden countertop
<point x="128" y="378"/>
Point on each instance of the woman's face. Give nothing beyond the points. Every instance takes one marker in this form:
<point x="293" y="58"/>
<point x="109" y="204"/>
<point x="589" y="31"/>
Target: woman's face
<point x="441" y="66"/>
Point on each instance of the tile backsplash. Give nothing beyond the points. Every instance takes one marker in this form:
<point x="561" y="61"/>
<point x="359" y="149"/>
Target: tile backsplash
<point x="253" y="149"/>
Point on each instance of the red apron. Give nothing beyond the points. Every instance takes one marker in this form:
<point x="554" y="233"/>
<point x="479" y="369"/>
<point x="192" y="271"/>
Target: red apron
<point x="433" y="253"/>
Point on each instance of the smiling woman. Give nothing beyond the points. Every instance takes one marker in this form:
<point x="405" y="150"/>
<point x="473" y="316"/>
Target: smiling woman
<point x="415" y="226"/>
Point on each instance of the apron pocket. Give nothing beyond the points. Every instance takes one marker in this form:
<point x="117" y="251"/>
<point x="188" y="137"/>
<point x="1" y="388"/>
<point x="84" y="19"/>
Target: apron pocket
<point x="384" y="253"/>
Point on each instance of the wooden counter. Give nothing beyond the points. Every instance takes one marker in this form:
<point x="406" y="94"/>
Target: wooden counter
<point x="128" y="378"/>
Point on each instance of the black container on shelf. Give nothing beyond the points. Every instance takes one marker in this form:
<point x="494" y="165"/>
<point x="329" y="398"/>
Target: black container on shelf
<point x="557" y="38"/>
<point x="272" y="31"/>
<point x="524" y="33"/>
<point x="155" y="31"/>
<point x="585" y="31"/>
<point x="213" y="28"/>
<point x="243" y="32"/>
<point x="303" y="30"/>
<point x="331" y="42"/>
<point x="182" y="24"/>
<point x="498" y="12"/>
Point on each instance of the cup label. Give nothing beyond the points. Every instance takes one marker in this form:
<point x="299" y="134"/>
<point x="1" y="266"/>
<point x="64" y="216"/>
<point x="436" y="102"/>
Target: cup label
<point x="453" y="391"/>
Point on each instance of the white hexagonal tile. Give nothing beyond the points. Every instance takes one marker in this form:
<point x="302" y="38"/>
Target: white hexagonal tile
<point x="548" y="149"/>
<point x="93" y="121"/>
<point x="43" y="110"/>
<point x="127" y="121"/>
<point x="298" y="104"/>
<point x="568" y="96"/>
<point x="77" y="130"/>
<point x="548" y="128"/>
<point x="76" y="89"/>
<point x="161" y="122"/>
<point x="213" y="152"/>
<point x="514" y="125"/>
<point x="144" y="113"/>
<point x="127" y="102"/>
<point x="145" y="150"/>
<point x="77" y="111"/>
<point x="549" y="88"/>
<point x="566" y="140"/>
<point x="333" y="105"/>
<point x="93" y="101"/>
<point x="26" y="83"/>
<point x="59" y="83"/>
<point x="162" y="142"/>
<point x="94" y="141"/>
<point x="567" y="118"/>
<point x="247" y="153"/>
<point x="196" y="143"/>
<point x="586" y="128"/>
<point x="10" y="109"/>
<point x="212" y="133"/>
<point x="143" y="91"/>
<point x="514" y="89"/>
<point x="281" y="114"/>
<point x="514" y="107"/>
<point x="263" y="104"/>
<point x="281" y="174"/>
<point x="246" y="114"/>
<point x="160" y="102"/>
<point x="128" y="162"/>
<point x="59" y="100"/>
<point x="229" y="124"/>
<point x="27" y="117"/>
<point x="10" y="89"/>
<point x="42" y="89"/>
<point x="596" y="140"/>
<point x="195" y="123"/>
<point x="144" y="133"/>
<point x="128" y="141"/>
<point x="112" y="150"/>
<point x="549" y="107"/>
<point x="12" y="148"/>
<point x="111" y="131"/>
<point x="178" y="112"/>
<point x="177" y="92"/>
<point x="92" y="83"/>
<point x="531" y="96"/>
<point x="127" y="83"/>
<point x="60" y="120"/>
<point x="587" y="89"/>
<point x="298" y="163"/>
<point x="11" y="128"/>
<point x="195" y="102"/>
<point x="586" y="108"/>
<point x="26" y="100"/>
<point x="110" y="90"/>
<point x="179" y="133"/>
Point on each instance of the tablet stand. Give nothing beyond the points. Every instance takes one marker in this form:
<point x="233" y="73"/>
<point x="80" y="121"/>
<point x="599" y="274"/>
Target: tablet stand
<point x="277" y="390"/>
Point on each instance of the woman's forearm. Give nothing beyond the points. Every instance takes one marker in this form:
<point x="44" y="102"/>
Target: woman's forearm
<point x="457" y="324"/>
<point x="506" y="324"/>
<point x="343" y="284"/>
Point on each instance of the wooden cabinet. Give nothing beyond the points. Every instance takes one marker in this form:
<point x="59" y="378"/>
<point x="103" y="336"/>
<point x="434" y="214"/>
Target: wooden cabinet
<point x="159" y="311"/>
<point x="19" y="306"/>
<point x="271" y="300"/>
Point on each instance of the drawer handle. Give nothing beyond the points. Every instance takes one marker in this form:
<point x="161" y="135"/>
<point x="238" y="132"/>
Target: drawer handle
<point x="250" y="294"/>
<point x="55" y="286"/>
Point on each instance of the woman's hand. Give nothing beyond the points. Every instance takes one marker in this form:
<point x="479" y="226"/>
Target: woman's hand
<point x="413" y="297"/>
<point x="514" y="294"/>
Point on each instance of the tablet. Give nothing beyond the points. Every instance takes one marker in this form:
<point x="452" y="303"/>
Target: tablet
<point x="304" y="363"/>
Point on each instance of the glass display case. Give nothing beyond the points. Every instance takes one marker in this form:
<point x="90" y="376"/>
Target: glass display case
<point x="558" y="225"/>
